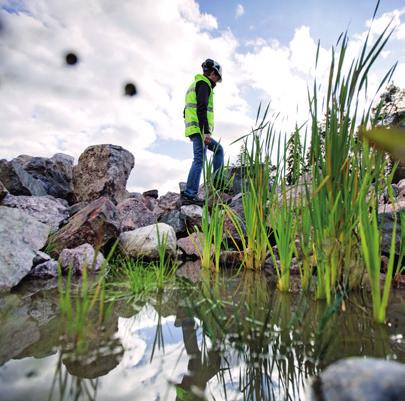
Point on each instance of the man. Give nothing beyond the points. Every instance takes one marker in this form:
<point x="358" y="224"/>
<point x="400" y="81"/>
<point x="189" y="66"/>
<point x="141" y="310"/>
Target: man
<point x="199" y="122"/>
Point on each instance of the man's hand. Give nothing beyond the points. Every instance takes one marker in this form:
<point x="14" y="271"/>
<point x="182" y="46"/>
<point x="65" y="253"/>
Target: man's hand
<point x="207" y="139"/>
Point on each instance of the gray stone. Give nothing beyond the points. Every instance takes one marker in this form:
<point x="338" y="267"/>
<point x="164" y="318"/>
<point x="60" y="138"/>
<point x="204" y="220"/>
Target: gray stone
<point x="153" y="193"/>
<point x="18" y="181"/>
<point x="80" y="257"/>
<point x="192" y="215"/>
<point x="169" y="201"/>
<point x="45" y="209"/>
<point x="45" y="269"/>
<point x="40" y="257"/>
<point x="359" y="379"/>
<point x="236" y="207"/>
<point x="3" y="191"/>
<point x="191" y="245"/>
<point x="54" y="173"/>
<point x="96" y="224"/>
<point x="134" y="214"/>
<point x="143" y="242"/>
<point x="20" y="236"/>
<point x="102" y="170"/>
<point x="386" y="218"/>
<point x="176" y="220"/>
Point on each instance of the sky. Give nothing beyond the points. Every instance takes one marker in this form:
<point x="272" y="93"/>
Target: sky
<point x="266" y="49"/>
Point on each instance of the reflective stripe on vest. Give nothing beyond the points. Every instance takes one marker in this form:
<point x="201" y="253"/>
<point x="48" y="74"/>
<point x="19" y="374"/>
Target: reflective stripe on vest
<point x="192" y="125"/>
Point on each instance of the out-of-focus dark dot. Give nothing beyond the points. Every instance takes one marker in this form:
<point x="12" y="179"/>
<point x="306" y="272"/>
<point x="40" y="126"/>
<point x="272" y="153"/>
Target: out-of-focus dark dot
<point x="130" y="89"/>
<point x="71" y="59"/>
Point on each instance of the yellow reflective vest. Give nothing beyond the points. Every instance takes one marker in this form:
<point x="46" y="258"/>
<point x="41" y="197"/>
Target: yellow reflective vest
<point x="191" y="122"/>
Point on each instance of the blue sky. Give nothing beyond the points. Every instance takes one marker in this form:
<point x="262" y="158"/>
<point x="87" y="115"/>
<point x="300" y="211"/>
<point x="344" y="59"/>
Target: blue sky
<point x="279" y="19"/>
<point x="266" y="48"/>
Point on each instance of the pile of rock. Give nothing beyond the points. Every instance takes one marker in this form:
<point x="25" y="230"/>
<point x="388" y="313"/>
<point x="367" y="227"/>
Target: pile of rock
<point x="54" y="211"/>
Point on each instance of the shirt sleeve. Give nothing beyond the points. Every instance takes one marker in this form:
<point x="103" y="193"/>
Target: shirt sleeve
<point x="203" y="91"/>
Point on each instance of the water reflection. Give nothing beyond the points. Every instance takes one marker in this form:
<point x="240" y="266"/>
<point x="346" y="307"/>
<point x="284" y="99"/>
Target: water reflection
<point x="226" y="339"/>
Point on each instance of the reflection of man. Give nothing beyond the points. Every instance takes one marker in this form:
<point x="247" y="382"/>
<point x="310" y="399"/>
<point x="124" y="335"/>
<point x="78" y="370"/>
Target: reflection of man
<point x="200" y="370"/>
<point x="199" y="122"/>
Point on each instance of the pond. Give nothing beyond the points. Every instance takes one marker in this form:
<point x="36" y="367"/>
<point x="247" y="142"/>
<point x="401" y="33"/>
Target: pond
<point x="229" y="338"/>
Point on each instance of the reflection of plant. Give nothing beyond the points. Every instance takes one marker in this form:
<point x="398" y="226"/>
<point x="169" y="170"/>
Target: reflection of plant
<point x="71" y="387"/>
<point x="78" y="301"/>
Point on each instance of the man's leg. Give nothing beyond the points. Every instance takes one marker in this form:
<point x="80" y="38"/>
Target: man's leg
<point x="194" y="176"/>
<point x="218" y="162"/>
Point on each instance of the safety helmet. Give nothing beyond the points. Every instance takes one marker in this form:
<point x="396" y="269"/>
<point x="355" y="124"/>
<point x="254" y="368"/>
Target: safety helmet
<point x="212" y="64"/>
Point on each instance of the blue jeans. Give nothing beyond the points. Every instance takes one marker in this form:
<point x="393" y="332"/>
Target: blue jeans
<point x="200" y="151"/>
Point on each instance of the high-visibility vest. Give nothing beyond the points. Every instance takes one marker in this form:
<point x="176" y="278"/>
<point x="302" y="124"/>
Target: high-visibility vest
<point x="190" y="111"/>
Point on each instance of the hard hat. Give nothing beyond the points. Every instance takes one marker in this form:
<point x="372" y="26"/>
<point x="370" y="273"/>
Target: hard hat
<point x="212" y="64"/>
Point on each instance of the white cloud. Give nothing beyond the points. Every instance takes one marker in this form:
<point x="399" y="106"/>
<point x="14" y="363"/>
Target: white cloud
<point x="48" y="107"/>
<point x="239" y="11"/>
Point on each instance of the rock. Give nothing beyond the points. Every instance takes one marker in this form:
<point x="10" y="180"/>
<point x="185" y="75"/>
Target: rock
<point x="76" y="207"/>
<point x="175" y="219"/>
<point x="20" y="236"/>
<point x="79" y="257"/>
<point x="102" y="170"/>
<point x="359" y="379"/>
<point x="3" y="191"/>
<point x="190" y="270"/>
<point x="54" y="173"/>
<point x="45" y="269"/>
<point x="399" y="280"/>
<point x="143" y="242"/>
<point x="401" y="184"/>
<point x="134" y="214"/>
<point x="231" y="259"/>
<point x="96" y="224"/>
<point x="40" y="257"/>
<point x="192" y="215"/>
<point x="153" y="193"/>
<point x="236" y="206"/>
<point x="191" y="245"/>
<point x="45" y="209"/>
<point x="386" y="218"/>
<point x="169" y="201"/>
<point x="18" y="181"/>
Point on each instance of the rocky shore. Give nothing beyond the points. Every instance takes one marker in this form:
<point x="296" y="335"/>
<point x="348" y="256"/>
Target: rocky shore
<point x="54" y="211"/>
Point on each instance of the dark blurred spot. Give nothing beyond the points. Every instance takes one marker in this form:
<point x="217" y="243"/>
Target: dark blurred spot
<point x="1" y="26"/>
<point x="130" y="89"/>
<point x="71" y="59"/>
<point x="31" y="373"/>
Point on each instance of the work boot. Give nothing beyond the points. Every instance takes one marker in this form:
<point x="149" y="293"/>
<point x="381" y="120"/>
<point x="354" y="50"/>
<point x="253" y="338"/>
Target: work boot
<point x="190" y="200"/>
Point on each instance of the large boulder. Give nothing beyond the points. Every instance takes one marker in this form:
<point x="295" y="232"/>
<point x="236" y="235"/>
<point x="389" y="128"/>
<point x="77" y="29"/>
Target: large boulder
<point x="143" y="242"/>
<point x="54" y="173"/>
<point x="133" y="214"/>
<point x="96" y="224"/>
<point x="45" y="209"/>
<point x="80" y="257"/>
<point x="359" y="379"/>
<point x="20" y="236"/>
<point x="18" y="181"/>
<point x="102" y="170"/>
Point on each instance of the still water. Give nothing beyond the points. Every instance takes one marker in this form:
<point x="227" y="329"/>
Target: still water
<point x="234" y="338"/>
